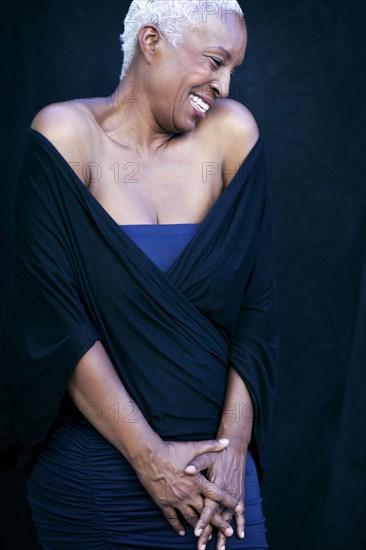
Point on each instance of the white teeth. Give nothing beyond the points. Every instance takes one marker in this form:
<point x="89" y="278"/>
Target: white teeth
<point x="204" y="107"/>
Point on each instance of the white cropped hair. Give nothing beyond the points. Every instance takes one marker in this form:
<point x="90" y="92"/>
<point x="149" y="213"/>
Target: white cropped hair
<point x="171" y="17"/>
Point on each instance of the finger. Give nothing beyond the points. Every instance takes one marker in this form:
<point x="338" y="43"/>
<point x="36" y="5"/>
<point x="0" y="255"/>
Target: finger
<point x="240" y="519"/>
<point x="200" y="463"/>
<point x="220" y="542"/>
<point x="205" y="537"/>
<point x="214" y="492"/>
<point x="222" y="525"/>
<point x="221" y="539"/>
<point x="210" y="509"/>
<point x="210" y="515"/>
<point x="189" y="514"/>
<point x="209" y="446"/>
<point x="173" y="520"/>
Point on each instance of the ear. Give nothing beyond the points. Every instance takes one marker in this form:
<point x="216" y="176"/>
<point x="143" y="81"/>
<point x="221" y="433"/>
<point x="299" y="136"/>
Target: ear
<point x="149" y="39"/>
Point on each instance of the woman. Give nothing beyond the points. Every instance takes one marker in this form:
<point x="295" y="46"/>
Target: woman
<point x="144" y="287"/>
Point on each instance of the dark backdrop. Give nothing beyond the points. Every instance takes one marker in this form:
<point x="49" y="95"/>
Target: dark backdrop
<point x="304" y="81"/>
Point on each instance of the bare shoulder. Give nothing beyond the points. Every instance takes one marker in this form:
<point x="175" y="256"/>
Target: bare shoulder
<point x="66" y="126"/>
<point x="59" y="121"/>
<point x="237" y="132"/>
<point x="235" y="119"/>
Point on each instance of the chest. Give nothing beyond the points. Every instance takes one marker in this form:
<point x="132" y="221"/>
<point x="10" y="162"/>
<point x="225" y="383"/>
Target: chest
<point x="174" y="188"/>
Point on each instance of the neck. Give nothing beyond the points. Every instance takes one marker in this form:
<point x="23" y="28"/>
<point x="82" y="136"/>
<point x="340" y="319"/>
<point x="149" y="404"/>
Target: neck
<point x="128" y="120"/>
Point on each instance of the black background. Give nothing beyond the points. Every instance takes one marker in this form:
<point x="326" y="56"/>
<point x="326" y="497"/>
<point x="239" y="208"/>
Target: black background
<point x="304" y="81"/>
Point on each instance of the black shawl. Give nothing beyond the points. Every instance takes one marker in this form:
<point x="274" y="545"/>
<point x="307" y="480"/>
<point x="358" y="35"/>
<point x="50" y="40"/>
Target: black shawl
<point x="78" y="277"/>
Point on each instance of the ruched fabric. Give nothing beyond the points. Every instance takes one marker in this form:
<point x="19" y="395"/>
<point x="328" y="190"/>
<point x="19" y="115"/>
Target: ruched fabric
<point x="84" y="495"/>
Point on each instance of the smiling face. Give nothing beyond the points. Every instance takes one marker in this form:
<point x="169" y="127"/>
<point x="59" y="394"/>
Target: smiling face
<point x="182" y="83"/>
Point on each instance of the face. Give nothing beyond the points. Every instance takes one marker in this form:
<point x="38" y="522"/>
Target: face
<point x="183" y="82"/>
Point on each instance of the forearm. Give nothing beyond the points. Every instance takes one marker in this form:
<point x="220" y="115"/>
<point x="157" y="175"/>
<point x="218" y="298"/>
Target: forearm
<point x="100" y="395"/>
<point x="228" y="469"/>
<point x="237" y="415"/>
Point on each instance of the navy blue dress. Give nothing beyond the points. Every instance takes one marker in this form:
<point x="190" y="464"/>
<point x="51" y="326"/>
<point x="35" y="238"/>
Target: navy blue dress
<point x="85" y="495"/>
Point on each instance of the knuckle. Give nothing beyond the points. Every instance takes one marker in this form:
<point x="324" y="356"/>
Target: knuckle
<point x="205" y="538"/>
<point x="214" y="491"/>
<point x="232" y="503"/>
<point x="211" y="509"/>
<point x="172" y="519"/>
<point x="223" y="525"/>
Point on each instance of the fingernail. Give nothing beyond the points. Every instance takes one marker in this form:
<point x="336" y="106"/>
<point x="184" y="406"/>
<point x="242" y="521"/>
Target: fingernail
<point x="242" y="534"/>
<point x="210" y="537"/>
<point x="223" y="441"/>
<point x="229" y="532"/>
<point x="181" y="533"/>
<point x="222" y="547"/>
<point x="190" y="470"/>
<point x="199" y="532"/>
<point x="203" y="547"/>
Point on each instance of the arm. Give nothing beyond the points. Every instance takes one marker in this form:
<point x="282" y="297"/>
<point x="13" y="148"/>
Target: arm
<point x="237" y="415"/>
<point x="95" y="381"/>
<point x="228" y="469"/>
<point x="236" y="423"/>
<point x="253" y="355"/>
<point x="158" y="464"/>
<point x="253" y="348"/>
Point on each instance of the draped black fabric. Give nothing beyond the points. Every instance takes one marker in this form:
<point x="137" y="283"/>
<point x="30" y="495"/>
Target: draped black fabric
<point x="171" y="337"/>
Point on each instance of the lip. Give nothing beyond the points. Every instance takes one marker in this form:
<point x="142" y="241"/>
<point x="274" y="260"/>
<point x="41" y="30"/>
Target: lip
<point x="207" y="100"/>
<point x="197" y="112"/>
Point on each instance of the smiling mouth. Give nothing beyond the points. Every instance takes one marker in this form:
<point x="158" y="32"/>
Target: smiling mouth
<point x="199" y="103"/>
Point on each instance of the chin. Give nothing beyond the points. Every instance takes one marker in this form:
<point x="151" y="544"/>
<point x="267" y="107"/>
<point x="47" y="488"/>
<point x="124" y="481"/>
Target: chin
<point x="185" y="127"/>
<point x="179" y="125"/>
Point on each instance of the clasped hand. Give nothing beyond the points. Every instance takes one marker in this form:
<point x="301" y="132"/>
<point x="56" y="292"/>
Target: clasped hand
<point x="172" y="476"/>
<point x="227" y="470"/>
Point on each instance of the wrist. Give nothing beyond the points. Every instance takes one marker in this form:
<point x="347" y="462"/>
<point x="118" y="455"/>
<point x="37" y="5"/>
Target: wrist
<point x="236" y="442"/>
<point x="142" y="451"/>
<point x="239" y="433"/>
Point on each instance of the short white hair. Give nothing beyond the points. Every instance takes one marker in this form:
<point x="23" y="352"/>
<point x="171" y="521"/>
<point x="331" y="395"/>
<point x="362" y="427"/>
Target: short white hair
<point x="171" y="17"/>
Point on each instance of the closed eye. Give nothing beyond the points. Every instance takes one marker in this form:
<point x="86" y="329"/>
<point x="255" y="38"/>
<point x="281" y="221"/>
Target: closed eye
<point x="218" y="62"/>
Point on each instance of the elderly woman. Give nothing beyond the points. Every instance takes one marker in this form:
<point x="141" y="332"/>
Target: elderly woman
<point x="141" y="341"/>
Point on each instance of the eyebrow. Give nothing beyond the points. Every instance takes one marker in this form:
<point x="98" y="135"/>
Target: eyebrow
<point x="228" y="54"/>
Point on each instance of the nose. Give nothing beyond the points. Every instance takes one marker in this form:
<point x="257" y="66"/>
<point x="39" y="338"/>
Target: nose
<point x="221" y="88"/>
